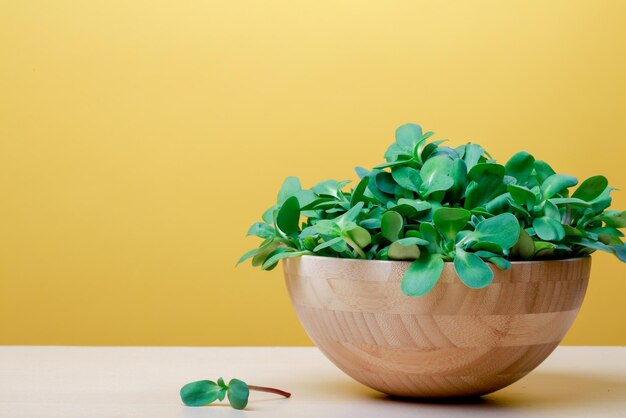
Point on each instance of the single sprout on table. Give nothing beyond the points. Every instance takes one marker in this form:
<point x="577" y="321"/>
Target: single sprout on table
<point x="204" y="392"/>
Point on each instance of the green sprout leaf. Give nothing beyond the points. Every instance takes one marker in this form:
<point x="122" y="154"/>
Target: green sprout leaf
<point x="204" y="392"/>
<point x="435" y="175"/>
<point x="238" y="393"/>
<point x="502" y="230"/>
<point x="422" y="275"/>
<point x="522" y="195"/>
<point x="359" y="236"/>
<point x="391" y="225"/>
<point x="524" y="248"/>
<point x="556" y="183"/>
<point x="548" y="229"/>
<point x="543" y="171"/>
<point x="262" y="230"/>
<point x="289" y="216"/>
<point x="200" y="393"/>
<point x="407" y="177"/>
<point x="449" y="221"/>
<point x="520" y="166"/>
<point x="591" y="188"/>
<point x="291" y="187"/>
<point x="472" y="270"/>
<point x="329" y="188"/>
<point x="409" y="135"/>
<point x="400" y="251"/>
<point x="614" y="218"/>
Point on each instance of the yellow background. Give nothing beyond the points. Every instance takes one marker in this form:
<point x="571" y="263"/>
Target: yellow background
<point x="140" y="139"/>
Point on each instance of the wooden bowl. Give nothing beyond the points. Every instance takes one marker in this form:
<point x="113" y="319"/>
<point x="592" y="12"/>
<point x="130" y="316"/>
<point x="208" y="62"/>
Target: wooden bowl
<point x="453" y="342"/>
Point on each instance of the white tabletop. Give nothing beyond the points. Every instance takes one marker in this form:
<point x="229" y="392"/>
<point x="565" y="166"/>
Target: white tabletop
<point x="144" y="382"/>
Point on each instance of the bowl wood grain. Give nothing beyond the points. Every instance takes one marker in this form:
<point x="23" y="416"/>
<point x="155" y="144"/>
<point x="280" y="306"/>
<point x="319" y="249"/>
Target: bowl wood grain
<point x="453" y="342"/>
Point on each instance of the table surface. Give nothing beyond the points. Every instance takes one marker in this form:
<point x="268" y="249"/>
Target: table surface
<point x="145" y="381"/>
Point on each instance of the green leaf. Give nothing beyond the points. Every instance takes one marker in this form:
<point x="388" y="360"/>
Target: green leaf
<point x="373" y="189"/>
<point x="500" y="262"/>
<point x="360" y="236"/>
<point x="288" y="216"/>
<point x="483" y="169"/>
<point x="262" y="230"/>
<point x="459" y="177"/>
<point x="328" y="243"/>
<point x="499" y="204"/>
<point x="291" y="186"/>
<point x="268" y="215"/>
<point x="595" y="245"/>
<point x="399" y="251"/>
<point x="407" y="177"/>
<point x="551" y="210"/>
<point x="392" y="153"/>
<point x="425" y="151"/>
<point x="521" y="195"/>
<point x="485" y="254"/>
<point x="591" y="188"/>
<point x="524" y="248"/>
<point x="543" y="171"/>
<point x="247" y="255"/>
<point x="238" y="393"/>
<point x="264" y="251"/>
<point x="571" y="231"/>
<point x="373" y="223"/>
<point x="385" y="182"/>
<point x="362" y="172"/>
<point x="412" y="240"/>
<point x="329" y="187"/>
<point x="472" y="154"/>
<point x="492" y="247"/>
<point x="323" y="226"/>
<point x="614" y="218"/>
<point x="569" y="201"/>
<point x="472" y="270"/>
<point x="411" y="207"/>
<point x="350" y="216"/>
<point x="479" y="193"/>
<point x="391" y="225"/>
<point x="543" y="249"/>
<point x="620" y="251"/>
<point x="306" y="197"/>
<point x="275" y="258"/>
<point x="548" y="229"/>
<point x="556" y="183"/>
<point x="502" y="229"/>
<point x="430" y="234"/>
<point x="603" y="201"/>
<point x="435" y="175"/>
<point x="409" y="135"/>
<point x="520" y="166"/>
<point x="199" y="393"/>
<point x="449" y="221"/>
<point x="358" y="195"/>
<point x="422" y="275"/>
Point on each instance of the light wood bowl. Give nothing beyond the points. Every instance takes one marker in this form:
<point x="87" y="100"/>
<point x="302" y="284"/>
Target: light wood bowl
<point x="453" y="342"/>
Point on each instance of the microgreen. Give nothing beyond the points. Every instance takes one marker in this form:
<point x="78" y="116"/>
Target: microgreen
<point x="429" y="203"/>
<point x="204" y="392"/>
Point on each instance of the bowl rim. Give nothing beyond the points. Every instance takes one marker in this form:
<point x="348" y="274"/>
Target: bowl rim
<point x="360" y="260"/>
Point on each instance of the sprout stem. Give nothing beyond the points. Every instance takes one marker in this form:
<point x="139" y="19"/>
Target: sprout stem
<point x="270" y="390"/>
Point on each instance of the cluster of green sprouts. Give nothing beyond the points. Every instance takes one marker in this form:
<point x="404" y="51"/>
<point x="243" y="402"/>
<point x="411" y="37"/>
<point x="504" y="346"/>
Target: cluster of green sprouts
<point x="430" y="204"/>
